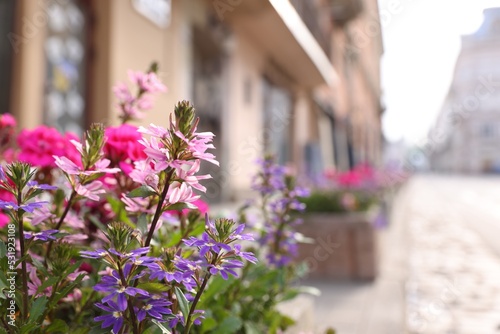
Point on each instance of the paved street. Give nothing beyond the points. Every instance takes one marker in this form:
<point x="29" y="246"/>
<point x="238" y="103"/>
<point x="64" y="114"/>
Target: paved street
<point x="453" y="284"/>
<point x="440" y="265"/>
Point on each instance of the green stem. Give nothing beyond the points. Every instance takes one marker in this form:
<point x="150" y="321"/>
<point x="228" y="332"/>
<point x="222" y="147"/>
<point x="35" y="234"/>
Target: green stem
<point x="87" y="304"/>
<point x="195" y="301"/>
<point x="61" y="221"/>
<point x="133" y="318"/>
<point x="159" y="209"/>
<point x="24" y="271"/>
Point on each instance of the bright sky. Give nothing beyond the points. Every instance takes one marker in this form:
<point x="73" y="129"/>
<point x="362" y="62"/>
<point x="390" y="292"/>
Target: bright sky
<point x="421" y="44"/>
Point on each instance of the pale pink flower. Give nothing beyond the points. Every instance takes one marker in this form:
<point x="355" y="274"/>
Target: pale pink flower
<point x="187" y="172"/>
<point x="180" y="192"/>
<point x="74" y="238"/>
<point x="154" y="130"/>
<point x="135" y="204"/>
<point x="71" y="168"/>
<point x="147" y="82"/>
<point x="199" y="144"/>
<point x="34" y="283"/>
<point x="40" y="215"/>
<point x="91" y="190"/>
<point x="143" y="173"/>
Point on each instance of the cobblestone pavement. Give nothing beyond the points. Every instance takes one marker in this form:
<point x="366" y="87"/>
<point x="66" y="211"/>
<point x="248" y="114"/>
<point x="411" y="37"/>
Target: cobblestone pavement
<point x="453" y="277"/>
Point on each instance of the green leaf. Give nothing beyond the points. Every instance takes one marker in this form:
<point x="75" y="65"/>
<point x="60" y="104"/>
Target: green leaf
<point x="208" y="324"/>
<point x="49" y="282"/>
<point x="198" y="229"/>
<point x="64" y="292"/>
<point x="37" y="309"/>
<point x="3" y="249"/>
<point x="251" y="328"/>
<point x="217" y="285"/>
<point x="175" y="237"/>
<point x="180" y="206"/>
<point x="183" y="303"/>
<point x="142" y="224"/>
<point x="153" y="287"/>
<point x="142" y="191"/>
<point x="58" y="326"/>
<point x="229" y="325"/>
<point x="28" y="328"/>
<point x="164" y="329"/>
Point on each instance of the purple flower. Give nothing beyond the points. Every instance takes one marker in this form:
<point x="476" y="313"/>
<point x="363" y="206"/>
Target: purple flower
<point x="42" y="236"/>
<point x="225" y="267"/>
<point x="250" y="257"/>
<point x="134" y="253"/>
<point x="115" y="318"/>
<point x="3" y="177"/>
<point x="114" y="286"/>
<point x="237" y="234"/>
<point x="206" y="244"/>
<point x="35" y="185"/>
<point x="6" y="205"/>
<point x="164" y="274"/>
<point x="156" y="307"/>
<point x="98" y="254"/>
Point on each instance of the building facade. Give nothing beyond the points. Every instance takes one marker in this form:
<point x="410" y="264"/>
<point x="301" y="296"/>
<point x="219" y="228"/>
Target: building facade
<point x="467" y="131"/>
<point x="264" y="75"/>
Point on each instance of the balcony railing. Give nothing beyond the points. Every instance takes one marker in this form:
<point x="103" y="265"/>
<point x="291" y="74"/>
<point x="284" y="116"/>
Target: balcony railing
<point x="343" y="11"/>
<point x="311" y="15"/>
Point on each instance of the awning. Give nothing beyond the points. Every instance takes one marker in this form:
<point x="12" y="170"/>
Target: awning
<point x="276" y="27"/>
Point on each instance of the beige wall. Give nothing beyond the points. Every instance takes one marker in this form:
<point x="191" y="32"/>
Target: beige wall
<point x="29" y="63"/>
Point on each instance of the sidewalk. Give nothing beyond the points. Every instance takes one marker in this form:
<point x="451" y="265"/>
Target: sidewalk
<point x="370" y="307"/>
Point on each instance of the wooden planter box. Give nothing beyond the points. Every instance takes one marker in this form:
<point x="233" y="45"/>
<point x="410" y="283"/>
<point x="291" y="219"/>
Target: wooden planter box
<point x="344" y="247"/>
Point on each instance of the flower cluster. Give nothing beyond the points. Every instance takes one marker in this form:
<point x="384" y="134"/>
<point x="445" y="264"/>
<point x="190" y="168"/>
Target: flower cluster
<point x="109" y="227"/>
<point x="132" y="106"/>
<point x="279" y="200"/>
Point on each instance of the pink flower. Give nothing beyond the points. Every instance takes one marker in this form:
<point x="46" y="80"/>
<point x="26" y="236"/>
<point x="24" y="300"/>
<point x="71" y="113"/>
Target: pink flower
<point x="144" y="173"/>
<point x="148" y="82"/>
<point x="41" y="215"/>
<point x="38" y="146"/>
<point x="7" y="121"/>
<point x="4" y="219"/>
<point x="34" y="283"/>
<point x="187" y="172"/>
<point x="180" y="192"/>
<point x="199" y="144"/>
<point x="136" y="204"/>
<point x="71" y="168"/>
<point x="199" y="204"/>
<point x="132" y="106"/>
<point x="91" y="190"/>
<point x="122" y="146"/>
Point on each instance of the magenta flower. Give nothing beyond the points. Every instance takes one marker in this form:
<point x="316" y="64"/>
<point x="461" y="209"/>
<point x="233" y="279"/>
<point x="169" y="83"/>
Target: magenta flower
<point x="38" y="146"/>
<point x="122" y="146"/>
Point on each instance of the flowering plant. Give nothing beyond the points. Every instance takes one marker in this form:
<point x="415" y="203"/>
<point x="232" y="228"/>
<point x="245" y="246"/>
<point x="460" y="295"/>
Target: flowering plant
<point x="249" y="304"/>
<point x="355" y="190"/>
<point x="109" y="229"/>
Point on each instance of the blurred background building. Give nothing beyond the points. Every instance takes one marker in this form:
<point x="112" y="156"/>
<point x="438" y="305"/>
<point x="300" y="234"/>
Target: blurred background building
<point x="467" y="131"/>
<point x="300" y="78"/>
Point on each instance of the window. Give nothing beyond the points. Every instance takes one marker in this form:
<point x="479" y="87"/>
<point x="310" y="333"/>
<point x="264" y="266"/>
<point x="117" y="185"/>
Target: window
<point x="65" y="47"/>
<point x="7" y="8"/>
<point x="277" y="122"/>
